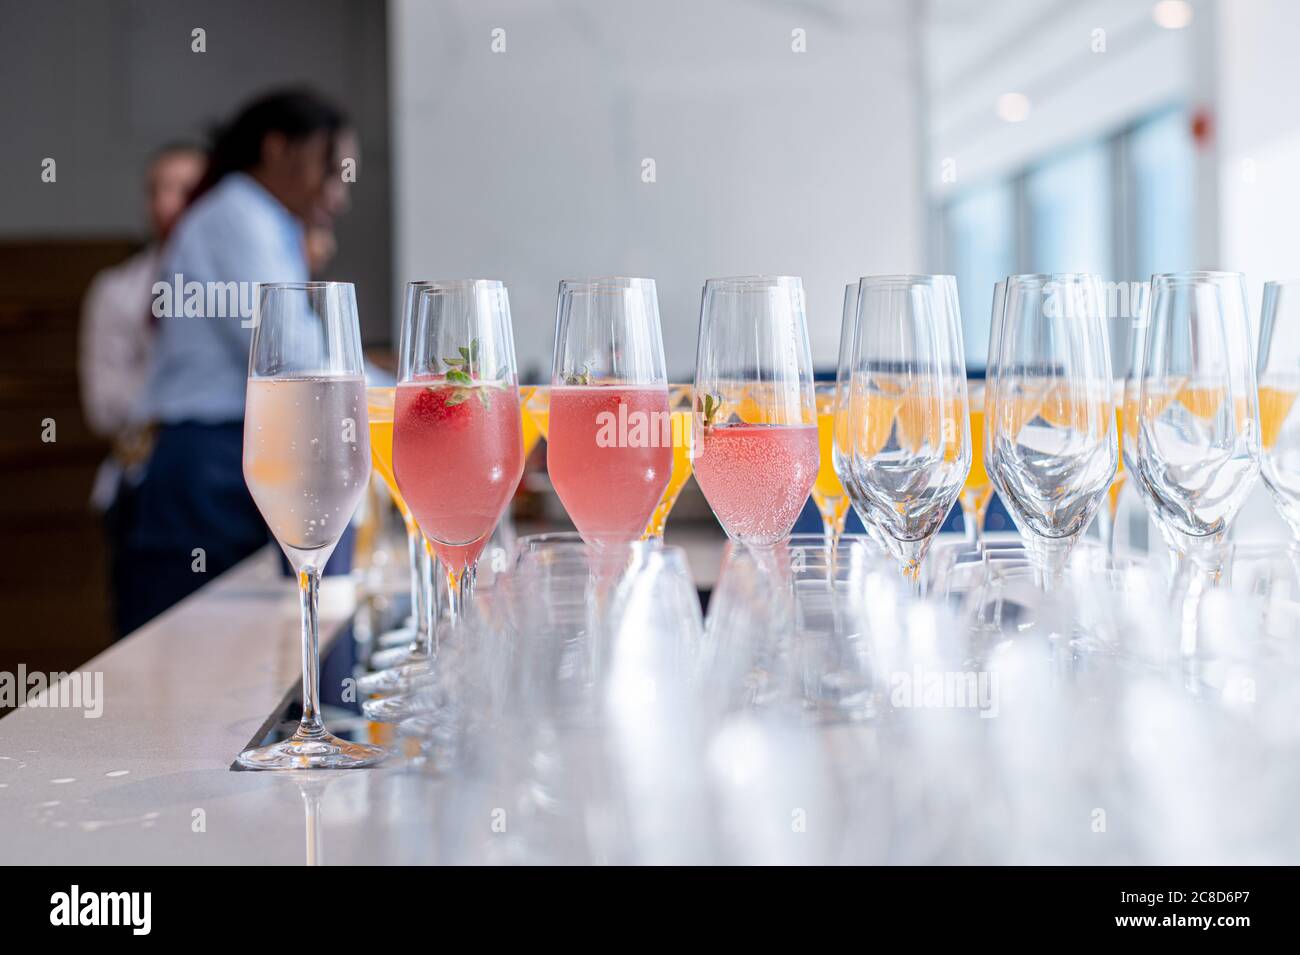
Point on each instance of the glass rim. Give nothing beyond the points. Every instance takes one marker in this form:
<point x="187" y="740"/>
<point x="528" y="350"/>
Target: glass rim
<point x="305" y="286"/>
<point x="753" y="282"/>
<point x="1200" y="275"/>
<point x="904" y="278"/>
<point x="1282" y="283"/>
<point x="606" y="282"/>
<point x="1036" y="278"/>
<point x="457" y="285"/>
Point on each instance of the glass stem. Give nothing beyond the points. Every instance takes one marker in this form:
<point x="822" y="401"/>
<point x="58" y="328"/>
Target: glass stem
<point x="968" y="521"/>
<point x="429" y="604"/>
<point x="460" y="592"/>
<point x="415" y="557"/>
<point x="308" y="589"/>
<point x="1050" y="554"/>
<point x="909" y="555"/>
<point x="1204" y="561"/>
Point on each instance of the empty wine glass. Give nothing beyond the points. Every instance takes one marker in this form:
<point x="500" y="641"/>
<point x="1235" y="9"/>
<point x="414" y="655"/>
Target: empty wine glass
<point x="307" y="463"/>
<point x="755" y="430"/>
<point x="457" y="436"/>
<point x="1049" y="414"/>
<point x="908" y="424"/>
<point x="1198" y="435"/>
<point x="1279" y="383"/>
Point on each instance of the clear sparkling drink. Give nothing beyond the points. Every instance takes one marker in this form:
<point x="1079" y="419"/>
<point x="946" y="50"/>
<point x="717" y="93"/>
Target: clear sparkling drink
<point x="306" y="459"/>
<point x="756" y="477"/>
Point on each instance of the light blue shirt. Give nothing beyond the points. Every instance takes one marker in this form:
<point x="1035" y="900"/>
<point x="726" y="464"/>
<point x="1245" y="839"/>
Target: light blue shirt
<point x="238" y="233"/>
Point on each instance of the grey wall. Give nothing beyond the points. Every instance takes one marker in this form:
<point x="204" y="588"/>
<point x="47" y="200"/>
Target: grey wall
<point x="99" y="85"/>
<point x="526" y="165"/>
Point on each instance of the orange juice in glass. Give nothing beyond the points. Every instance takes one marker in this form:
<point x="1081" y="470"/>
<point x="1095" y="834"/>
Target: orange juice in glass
<point x="827" y="492"/>
<point x="680" y="403"/>
<point x="977" y="492"/>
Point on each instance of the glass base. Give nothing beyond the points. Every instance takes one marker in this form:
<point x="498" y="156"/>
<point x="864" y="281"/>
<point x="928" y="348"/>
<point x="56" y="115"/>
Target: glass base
<point x="402" y="636"/>
<point x="391" y="657"/>
<point x="399" y="679"/>
<point x="326" y="751"/>
<point x="396" y="708"/>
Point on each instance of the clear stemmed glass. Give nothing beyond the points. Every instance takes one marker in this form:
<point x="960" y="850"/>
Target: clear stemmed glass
<point x="1279" y="383"/>
<point x="755" y="429"/>
<point x="609" y="432"/>
<point x="457" y="434"/>
<point x="1198" y="434"/>
<point x="908" y="422"/>
<point x="1049" y="416"/>
<point x="307" y="463"/>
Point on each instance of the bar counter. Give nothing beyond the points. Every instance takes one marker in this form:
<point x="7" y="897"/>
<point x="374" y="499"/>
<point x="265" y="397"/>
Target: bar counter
<point x="149" y="781"/>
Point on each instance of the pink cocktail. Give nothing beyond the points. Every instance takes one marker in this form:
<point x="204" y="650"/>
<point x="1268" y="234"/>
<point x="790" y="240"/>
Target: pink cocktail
<point x="757" y="477"/>
<point x="458" y="457"/>
<point x="609" y="453"/>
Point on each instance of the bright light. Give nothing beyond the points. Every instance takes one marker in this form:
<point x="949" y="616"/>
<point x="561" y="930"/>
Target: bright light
<point x="1013" y="107"/>
<point x="1172" y="14"/>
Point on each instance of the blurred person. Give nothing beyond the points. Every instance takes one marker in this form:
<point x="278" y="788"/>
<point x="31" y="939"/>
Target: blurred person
<point x="116" y="340"/>
<point x="321" y="248"/>
<point x="273" y="172"/>
<point x="116" y="331"/>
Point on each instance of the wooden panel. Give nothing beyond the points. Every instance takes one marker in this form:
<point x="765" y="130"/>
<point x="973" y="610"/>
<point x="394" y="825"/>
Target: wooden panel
<point x="53" y="594"/>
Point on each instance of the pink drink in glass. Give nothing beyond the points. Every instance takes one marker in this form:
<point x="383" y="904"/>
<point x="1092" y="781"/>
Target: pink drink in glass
<point x="458" y="456"/>
<point x="756" y="477"/>
<point x="609" y="453"/>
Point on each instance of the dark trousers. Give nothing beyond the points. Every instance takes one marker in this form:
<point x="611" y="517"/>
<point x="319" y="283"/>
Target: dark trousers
<point x="190" y="519"/>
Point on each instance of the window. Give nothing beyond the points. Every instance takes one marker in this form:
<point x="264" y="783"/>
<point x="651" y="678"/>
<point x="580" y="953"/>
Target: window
<point x="1161" y="161"/>
<point x="1069" y="212"/>
<point x="981" y="228"/>
<point x="1121" y="206"/>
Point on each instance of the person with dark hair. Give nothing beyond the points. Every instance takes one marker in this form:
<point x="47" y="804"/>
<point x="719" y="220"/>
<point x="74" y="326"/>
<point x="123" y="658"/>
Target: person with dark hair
<point x="273" y="172"/>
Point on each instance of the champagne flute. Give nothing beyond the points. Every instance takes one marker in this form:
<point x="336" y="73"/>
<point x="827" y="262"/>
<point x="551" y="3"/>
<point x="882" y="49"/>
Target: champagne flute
<point x="680" y="401"/>
<point x="977" y="492"/>
<point x="1050" y="427"/>
<point x="908" y="411"/>
<point x="1198" y="434"/>
<point x="1108" y="513"/>
<point x="828" y="491"/>
<point x="609" y="432"/>
<point x="307" y="463"/>
<point x="1279" y="383"/>
<point x="457" y="436"/>
<point x="755" y="430"/>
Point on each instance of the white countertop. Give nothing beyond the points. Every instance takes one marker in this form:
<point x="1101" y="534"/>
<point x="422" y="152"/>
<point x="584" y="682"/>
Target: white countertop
<point x="149" y="781"/>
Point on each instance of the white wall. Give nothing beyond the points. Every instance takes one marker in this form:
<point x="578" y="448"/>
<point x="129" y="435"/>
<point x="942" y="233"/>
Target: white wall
<point x="526" y="165"/>
<point x="1258" y="113"/>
